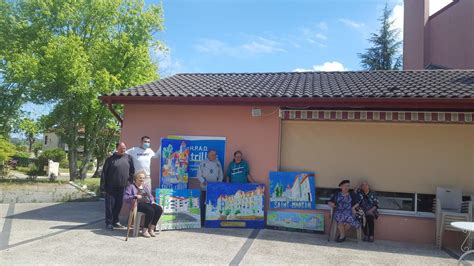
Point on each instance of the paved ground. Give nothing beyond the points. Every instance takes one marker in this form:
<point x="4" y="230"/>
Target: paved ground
<point x="73" y="233"/>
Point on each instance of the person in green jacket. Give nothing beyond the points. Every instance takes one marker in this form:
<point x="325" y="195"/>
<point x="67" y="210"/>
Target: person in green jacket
<point x="238" y="170"/>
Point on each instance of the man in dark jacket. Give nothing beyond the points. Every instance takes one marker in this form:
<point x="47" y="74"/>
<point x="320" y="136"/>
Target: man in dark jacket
<point x="117" y="172"/>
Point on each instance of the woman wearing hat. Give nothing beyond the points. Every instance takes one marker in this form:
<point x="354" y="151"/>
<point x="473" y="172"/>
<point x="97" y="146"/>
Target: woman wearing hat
<point x="344" y="204"/>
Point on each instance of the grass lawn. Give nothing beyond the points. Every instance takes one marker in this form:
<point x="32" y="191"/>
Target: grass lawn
<point x="93" y="184"/>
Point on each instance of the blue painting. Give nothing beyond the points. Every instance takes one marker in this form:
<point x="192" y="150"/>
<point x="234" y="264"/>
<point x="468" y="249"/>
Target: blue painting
<point x="235" y="205"/>
<point x="304" y="222"/>
<point x="180" y="208"/>
<point x="174" y="171"/>
<point x="292" y="190"/>
<point x="198" y="149"/>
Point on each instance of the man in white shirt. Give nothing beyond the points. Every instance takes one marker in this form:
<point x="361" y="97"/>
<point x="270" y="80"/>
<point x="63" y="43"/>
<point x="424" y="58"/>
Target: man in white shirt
<point x="142" y="157"/>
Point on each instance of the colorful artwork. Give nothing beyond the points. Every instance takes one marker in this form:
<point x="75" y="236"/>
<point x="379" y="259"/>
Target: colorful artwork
<point x="235" y="205"/>
<point x="180" y="208"/>
<point x="292" y="190"/>
<point x="198" y="148"/>
<point x="305" y="222"/>
<point x="174" y="164"/>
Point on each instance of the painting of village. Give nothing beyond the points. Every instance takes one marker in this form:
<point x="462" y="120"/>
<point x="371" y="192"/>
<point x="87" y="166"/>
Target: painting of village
<point x="174" y="164"/>
<point x="235" y="205"/>
<point x="304" y="222"/>
<point x="292" y="190"/>
<point x="180" y="208"/>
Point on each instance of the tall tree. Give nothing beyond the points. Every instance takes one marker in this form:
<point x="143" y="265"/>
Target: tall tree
<point x="12" y="84"/>
<point x="385" y="51"/>
<point x="31" y="129"/>
<point x="80" y="50"/>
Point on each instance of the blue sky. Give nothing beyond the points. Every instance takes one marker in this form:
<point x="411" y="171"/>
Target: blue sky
<point x="269" y="35"/>
<point x="265" y="35"/>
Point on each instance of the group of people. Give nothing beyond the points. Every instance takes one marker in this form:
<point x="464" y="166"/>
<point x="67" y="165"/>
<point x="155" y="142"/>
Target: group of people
<point x="354" y="209"/>
<point x="126" y="177"/>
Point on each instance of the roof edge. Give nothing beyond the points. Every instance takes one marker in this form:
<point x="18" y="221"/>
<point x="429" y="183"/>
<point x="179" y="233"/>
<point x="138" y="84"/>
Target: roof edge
<point x="461" y="104"/>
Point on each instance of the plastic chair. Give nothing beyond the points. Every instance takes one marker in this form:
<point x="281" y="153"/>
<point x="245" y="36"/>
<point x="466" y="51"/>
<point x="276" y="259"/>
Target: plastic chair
<point x="449" y="208"/>
<point x="333" y="226"/>
<point x="138" y="223"/>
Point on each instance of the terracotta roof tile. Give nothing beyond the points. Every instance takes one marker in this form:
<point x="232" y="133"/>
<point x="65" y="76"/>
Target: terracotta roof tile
<point x="373" y="84"/>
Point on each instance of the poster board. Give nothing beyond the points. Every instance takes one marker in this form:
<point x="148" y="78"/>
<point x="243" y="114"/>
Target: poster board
<point x="180" y="208"/>
<point x="294" y="221"/>
<point x="235" y="205"/>
<point x="198" y="149"/>
<point x="292" y="190"/>
<point x="174" y="172"/>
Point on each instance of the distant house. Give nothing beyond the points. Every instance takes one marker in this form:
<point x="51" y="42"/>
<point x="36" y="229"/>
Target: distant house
<point x="52" y="140"/>
<point x="440" y="41"/>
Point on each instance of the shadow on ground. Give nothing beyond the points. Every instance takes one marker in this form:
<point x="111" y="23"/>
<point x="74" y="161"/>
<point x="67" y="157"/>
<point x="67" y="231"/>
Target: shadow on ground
<point x="90" y="216"/>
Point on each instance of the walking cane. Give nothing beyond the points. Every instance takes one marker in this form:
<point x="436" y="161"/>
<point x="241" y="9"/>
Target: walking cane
<point x="330" y="225"/>
<point x="131" y="216"/>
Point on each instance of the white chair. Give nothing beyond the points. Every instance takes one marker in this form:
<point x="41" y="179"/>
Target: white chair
<point x="138" y="223"/>
<point x="333" y="226"/>
<point x="449" y="207"/>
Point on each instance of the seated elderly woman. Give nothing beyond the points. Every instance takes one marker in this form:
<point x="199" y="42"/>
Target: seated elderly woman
<point x="344" y="204"/>
<point x="369" y="203"/>
<point x="146" y="203"/>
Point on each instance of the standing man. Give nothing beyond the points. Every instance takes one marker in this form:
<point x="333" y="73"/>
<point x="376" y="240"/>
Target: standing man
<point x="142" y="157"/>
<point x="118" y="171"/>
<point x="238" y="170"/>
<point x="209" y="171"/>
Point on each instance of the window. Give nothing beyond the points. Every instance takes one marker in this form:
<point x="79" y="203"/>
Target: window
<point x="323" y="195"/>
<point x="392" y="201"/>
<point x="396" y="201"/>
<point x="425" y="202"/>
<point x="46" y="140"/>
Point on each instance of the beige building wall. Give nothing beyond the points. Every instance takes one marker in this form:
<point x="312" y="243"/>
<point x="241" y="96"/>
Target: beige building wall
<point x="398" y="157"/>
<point x="50" y="141"/>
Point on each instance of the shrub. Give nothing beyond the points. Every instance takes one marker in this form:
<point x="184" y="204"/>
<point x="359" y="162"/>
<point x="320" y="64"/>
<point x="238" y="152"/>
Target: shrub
<point x="34" y="172"/>
<point x="56" y="155"/>
<point x="22" y="154"/>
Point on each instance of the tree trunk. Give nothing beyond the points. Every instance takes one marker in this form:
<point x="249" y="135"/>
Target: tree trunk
<point x="72" y="157"/>
<point x="98" y="168"/>
<point x="31" y="141"/>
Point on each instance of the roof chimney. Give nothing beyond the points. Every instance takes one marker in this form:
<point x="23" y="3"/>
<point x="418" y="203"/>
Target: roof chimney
<point x="416" y="15"/>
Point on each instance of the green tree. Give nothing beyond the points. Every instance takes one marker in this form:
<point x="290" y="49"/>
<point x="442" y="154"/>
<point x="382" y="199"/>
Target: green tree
<point x="78" y="50"/>
<point x="7" y="149"/>
<point x="31" y="129"/>
<point x="385" y="51"/>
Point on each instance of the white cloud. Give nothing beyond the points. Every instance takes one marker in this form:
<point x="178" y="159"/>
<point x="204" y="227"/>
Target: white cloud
<point x="351" y="23"/>
<point x="312" y="35"/>
<point x="397" y="17"/>
<point x="327" y="66"/>
<point x="258" y="45"/>
<point x="321" y="36"/>
<point x="323" y="25"/>
<point x="436" y="5"/>
<point x="262" y="46"/>
<point x="167" y="65"/>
